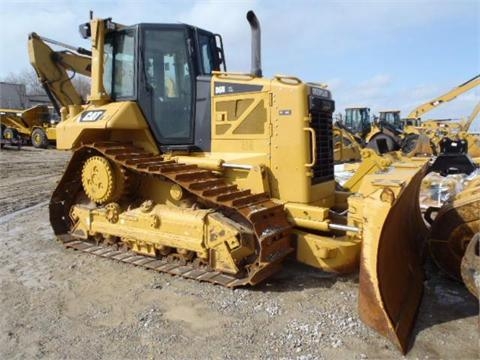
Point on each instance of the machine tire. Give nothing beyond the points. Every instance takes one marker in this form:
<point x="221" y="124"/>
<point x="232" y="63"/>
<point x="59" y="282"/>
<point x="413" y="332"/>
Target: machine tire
<point x="2" y="143"/>
<point x="9" y="134"/>
<point x="409" y="143"/>
<point x="383" y="143"/>
<point x="39" y="139"/>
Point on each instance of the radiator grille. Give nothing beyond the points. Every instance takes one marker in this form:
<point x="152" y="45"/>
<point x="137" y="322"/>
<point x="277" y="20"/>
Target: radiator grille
<point x="323" y="169"/>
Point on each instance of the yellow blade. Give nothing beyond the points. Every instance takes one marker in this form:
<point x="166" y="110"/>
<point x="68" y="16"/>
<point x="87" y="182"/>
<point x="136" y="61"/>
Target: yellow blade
<point x="391" y="274"/>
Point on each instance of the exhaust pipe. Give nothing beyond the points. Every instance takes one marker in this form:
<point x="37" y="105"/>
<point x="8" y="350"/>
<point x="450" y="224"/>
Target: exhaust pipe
<point x="256" y="44"/>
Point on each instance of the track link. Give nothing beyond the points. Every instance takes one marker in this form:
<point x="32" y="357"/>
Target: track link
<point x="188" y="271"/>
<point x="267" y="219"/>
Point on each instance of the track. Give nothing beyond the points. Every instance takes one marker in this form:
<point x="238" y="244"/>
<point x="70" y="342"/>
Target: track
<point x="189" y="270"/>
<point x="267" y="220"/>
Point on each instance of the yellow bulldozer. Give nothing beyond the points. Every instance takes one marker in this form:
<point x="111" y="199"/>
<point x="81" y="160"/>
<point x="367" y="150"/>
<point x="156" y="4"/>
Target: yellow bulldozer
<point x="182" y="167"/>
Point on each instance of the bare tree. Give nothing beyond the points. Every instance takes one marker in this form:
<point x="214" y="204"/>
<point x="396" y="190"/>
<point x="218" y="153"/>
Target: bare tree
<point x="82" y="85"/>
<point x="27" y="77"/>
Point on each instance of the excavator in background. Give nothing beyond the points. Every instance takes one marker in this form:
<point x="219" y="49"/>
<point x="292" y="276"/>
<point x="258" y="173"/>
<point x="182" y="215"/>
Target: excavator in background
<point x="472" y="138"/>
<point x="36" y="125"/>
<point x="182" y="167"/>
<point x="404" y="133"/>
<point x="422" y="109"/>
<point x="56" y="69"/>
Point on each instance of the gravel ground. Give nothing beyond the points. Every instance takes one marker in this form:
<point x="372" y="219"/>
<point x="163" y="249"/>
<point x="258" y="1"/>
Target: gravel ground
<point x="57" y="303"/>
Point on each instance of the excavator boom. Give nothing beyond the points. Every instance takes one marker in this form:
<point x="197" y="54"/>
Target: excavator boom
<point x="52" y="69"/>
<point x="419" y="111"/>
<point x="473" y="115"/>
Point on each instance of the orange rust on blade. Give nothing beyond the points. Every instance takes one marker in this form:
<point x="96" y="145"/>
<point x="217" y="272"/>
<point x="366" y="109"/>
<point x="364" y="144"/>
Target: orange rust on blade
<point x="391" y="286"/>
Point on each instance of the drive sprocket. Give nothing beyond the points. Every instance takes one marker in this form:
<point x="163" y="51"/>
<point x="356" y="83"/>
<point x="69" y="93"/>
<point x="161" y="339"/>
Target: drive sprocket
<point x="102" y="181"/>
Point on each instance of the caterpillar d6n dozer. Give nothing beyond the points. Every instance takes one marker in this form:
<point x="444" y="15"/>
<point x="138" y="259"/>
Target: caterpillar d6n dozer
<point x="182" y="167"/>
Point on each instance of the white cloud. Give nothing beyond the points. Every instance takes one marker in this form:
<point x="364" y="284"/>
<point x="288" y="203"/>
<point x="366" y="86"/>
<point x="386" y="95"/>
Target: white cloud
<point x="301" y="38"/>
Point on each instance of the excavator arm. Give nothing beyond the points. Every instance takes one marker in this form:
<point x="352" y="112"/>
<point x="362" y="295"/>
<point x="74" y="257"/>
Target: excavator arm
<point x="53" y="67"/>
<point x="420" y="110"/>
<point x="466" y="125"/>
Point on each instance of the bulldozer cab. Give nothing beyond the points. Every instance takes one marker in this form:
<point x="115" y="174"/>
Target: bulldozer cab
<point x="357" y="121"/>
<point x="166" y="69"/>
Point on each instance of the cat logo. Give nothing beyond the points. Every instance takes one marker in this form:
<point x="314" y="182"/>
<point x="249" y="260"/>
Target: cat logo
<point x="91" y="116"/>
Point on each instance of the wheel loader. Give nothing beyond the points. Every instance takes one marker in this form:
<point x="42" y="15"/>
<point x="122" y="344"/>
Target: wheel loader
<point x="182" y="167"/>
<point x="346" y="146"/>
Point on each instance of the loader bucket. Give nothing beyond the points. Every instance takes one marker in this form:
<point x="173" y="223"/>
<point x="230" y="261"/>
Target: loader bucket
<point x="391" y="273"/>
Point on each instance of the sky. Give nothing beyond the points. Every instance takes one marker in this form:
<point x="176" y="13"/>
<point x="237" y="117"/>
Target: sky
<point x="384" y="54"/>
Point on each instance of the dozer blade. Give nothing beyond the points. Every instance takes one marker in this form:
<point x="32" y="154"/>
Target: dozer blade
<point x="391" y="273"/>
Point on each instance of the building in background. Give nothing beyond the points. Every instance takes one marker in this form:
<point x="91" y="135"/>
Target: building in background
<point x="13" y="96"/>
<point x="38" y="99"/>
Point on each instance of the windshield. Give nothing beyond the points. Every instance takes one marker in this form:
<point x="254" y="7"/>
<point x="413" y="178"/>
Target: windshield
<point x="168" y="76"/>
<point x="357" y="120"/>
<point x="392" y="118"/>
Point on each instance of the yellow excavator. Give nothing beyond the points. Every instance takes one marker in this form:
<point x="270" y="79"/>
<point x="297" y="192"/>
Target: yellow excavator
<point x="182" y="167"/>
<point x="422" y="109"/>
<point x="34" y="125"/>
<point x="472" y="138"/>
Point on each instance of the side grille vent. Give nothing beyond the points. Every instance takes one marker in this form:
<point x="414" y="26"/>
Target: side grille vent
<point x="321" y="113"/>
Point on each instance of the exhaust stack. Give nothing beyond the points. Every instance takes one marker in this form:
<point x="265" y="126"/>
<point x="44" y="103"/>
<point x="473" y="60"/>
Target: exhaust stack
<point x="256" y="44"/>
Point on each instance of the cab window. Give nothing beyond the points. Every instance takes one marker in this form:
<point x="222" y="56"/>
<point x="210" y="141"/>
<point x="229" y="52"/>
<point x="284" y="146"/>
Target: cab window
<point x="168" y="76"/>
<point x="119" y="64"/>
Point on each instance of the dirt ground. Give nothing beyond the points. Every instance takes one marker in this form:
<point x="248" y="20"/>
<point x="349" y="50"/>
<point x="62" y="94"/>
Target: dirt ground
<point x="57" y="303"/>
